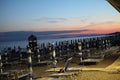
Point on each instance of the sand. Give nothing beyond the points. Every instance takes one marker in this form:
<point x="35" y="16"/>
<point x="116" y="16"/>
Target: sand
<point x="110" y="62"/>
<point x="110" y="65"/>
<point x="94" y="75"/>
<point x="107" y="64"/>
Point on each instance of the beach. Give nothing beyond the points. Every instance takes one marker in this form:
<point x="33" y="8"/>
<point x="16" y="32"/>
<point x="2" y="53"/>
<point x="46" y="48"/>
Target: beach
<point x="89" y="74"/>
<point x="107" y="69"/>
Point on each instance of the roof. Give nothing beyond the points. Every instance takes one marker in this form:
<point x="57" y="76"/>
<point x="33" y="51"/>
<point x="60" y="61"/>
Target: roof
<point x="115" y="4"/>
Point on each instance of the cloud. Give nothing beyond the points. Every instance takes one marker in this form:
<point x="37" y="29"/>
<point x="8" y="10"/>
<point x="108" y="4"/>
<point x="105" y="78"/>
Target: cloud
<point x="79" y="19"/>
<point x="60" y="20"/>
<point x="70" y="32"/>
<point x="92" y="24"/>
<point x="51" y="20"/>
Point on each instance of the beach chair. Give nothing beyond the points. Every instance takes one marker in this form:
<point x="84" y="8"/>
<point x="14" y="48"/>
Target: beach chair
<point x="66" y="68"/>
<point x="63" y="71"/>
<point x="60" y="69"/>
<point x="66" y="65"/>
<point x="66" y="71"/>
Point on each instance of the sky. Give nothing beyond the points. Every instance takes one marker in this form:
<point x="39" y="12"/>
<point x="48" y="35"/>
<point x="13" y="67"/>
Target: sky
<point x="93" y="16"/>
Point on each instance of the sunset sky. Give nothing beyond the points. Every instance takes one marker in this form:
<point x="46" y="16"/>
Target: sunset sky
<point x="94" y="16"/>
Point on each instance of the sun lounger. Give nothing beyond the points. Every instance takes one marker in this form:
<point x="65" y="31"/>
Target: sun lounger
<point x="65" y="71"/>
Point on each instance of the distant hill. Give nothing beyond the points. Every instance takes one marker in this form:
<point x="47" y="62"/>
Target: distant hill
<point x="115" y="33"/>
<point x="23" y="35"/>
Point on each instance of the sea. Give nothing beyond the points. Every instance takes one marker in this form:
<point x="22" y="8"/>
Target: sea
<point x="24" y="43"/>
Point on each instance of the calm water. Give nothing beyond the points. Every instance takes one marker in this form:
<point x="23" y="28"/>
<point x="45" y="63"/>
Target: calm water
<point x="23" y="44"/>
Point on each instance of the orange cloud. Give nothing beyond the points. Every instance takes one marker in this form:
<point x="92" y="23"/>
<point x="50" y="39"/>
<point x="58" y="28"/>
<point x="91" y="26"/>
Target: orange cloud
<point x="93" y="28"/>
<point x="101" y="28"/>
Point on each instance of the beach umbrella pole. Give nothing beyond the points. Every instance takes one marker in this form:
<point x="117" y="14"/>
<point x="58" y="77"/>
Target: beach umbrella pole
<point x="54" y="58"/>
<point x="38" y="51"/>
<point x="1" y="64"/>
<point x="30" y="64"/>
